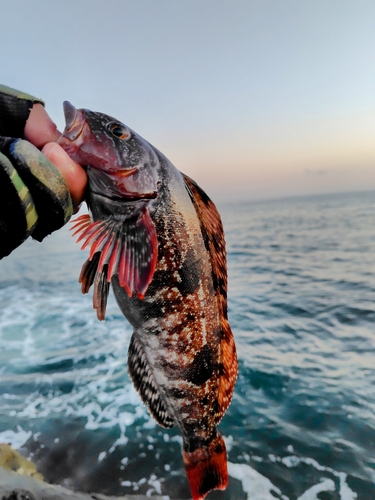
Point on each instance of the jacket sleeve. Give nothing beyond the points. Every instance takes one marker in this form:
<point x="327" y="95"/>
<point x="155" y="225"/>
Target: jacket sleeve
<point x="15" y="107"/>
<point x="34" y="199"/>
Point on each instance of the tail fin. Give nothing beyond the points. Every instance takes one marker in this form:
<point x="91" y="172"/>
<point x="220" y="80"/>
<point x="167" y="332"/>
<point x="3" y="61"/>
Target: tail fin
<point x="206" y="468"/>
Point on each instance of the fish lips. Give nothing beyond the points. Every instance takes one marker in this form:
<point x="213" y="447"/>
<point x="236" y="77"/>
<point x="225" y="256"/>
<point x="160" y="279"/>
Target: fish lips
<point x="74" y="121"/>
<point x="70" y="113"/>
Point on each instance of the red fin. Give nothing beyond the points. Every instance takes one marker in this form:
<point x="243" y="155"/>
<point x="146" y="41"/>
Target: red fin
<point x="106" y="253"/>
<point x="145" y="267"/>
<point x="139" y="250"/>
<point x="101" y="291"/>
<point x="81" y="223"/>
<point x="88" y="272"/>
<point x="206" y="468"/>
<point x="91" y="275"/>
<point x="89" y="232"/>
<point x="98" y="238"/>
<point x="129" y="248"/>
<point x="213" y="235"/>
<point x="114" y="259"/>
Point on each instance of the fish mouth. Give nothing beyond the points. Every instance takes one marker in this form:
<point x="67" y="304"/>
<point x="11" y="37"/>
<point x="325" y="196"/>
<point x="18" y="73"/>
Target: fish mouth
<point x="130" y="198"/>
<point x="116" y="192"/>
<point x="74" y="121"/>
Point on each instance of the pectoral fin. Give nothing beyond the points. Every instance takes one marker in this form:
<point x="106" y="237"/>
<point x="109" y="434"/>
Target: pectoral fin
<point x="90" y="275"/>
<point x="125" y="248"/>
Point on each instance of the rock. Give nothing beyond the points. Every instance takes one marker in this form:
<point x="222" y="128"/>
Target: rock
<point x="14" y="486"/>
<point x="20" y="480"/>
<point x="11" y="460"/>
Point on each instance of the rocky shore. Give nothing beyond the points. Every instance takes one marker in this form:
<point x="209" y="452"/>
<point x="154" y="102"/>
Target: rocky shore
<point x="20" y="480"/>
<point x="15" y="486"/>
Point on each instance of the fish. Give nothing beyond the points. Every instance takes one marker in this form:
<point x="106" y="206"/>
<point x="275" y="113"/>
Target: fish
<point x="158" y="239"/>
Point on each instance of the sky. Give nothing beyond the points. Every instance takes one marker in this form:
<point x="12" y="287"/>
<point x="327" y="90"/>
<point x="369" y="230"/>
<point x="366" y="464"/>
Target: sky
<point x="253" y="99"/>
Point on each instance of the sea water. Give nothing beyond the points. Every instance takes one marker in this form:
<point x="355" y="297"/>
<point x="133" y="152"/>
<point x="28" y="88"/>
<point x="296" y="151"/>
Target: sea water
<point x="302" y="309"/>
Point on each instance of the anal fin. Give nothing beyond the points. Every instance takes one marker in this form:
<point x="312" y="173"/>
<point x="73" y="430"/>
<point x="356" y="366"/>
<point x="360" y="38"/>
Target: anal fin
<point x="144" y="381"/>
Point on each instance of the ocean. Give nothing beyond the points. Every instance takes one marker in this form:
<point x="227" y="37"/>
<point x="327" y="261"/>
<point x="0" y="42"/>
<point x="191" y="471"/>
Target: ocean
<point x="302" y="308"/>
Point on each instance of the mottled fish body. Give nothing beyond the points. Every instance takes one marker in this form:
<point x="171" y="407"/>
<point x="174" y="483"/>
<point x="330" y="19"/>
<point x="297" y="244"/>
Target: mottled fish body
<point x="158" y="238"/>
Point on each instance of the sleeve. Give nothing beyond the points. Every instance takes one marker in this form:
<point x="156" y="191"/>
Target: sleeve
<point x="15" y="108"/>
<point x="34" y="199"/>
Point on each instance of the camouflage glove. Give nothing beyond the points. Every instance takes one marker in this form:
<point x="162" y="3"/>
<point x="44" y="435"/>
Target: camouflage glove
<point x="34" y="199"/>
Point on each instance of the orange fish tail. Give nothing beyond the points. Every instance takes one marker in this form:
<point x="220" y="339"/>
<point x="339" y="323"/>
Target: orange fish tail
<point x="206" y="468"/>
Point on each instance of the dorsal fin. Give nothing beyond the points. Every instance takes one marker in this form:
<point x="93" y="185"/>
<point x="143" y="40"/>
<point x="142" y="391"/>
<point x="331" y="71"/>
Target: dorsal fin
<point x="143" y="379"/>
<point x="213" y="236"/>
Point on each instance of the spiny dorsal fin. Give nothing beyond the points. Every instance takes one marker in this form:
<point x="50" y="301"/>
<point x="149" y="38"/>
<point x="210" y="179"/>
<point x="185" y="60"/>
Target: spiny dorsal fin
<point x="213" y="236"/>
<point x="144" y="381"/>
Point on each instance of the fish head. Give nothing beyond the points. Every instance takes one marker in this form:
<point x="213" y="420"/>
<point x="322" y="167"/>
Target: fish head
<point x="123" y="184"/>
<point x="119" y="163"/>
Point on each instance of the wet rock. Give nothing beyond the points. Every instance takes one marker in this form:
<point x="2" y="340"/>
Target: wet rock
<point x="20" y="480"/>
<point x="12" y="460"/>
<point x="15" y="486"/>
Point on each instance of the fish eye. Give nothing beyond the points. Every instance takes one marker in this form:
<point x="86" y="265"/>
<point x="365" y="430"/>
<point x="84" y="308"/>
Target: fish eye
<point x="118" y="130"/>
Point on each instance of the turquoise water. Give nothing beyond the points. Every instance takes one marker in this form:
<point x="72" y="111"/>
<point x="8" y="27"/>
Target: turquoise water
<point x="302" y="308"/>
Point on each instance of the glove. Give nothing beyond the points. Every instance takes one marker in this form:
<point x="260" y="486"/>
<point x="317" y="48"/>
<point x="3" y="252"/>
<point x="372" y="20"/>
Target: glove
<point x="34" y="199"/>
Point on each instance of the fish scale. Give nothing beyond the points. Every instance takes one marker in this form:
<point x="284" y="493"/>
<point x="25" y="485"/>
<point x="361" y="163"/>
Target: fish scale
<point x="178" y="340"/>
<point x="158" y="239"/>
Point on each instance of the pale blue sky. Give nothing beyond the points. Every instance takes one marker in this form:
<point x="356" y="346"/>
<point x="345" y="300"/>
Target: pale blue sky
<point x="252" y="99"/>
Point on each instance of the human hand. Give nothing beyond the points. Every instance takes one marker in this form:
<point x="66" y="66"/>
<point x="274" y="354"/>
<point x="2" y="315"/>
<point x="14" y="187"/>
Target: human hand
<point x="39" y="190"/>
<point x="42" y="133"/>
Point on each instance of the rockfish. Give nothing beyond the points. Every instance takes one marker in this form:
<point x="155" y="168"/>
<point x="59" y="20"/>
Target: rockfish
<point x="158" y="239"/>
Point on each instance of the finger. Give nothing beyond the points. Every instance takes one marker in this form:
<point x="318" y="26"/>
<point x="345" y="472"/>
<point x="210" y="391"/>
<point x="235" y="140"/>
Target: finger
<point x="73" y="174"/>
<point x="39" y="128"/>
